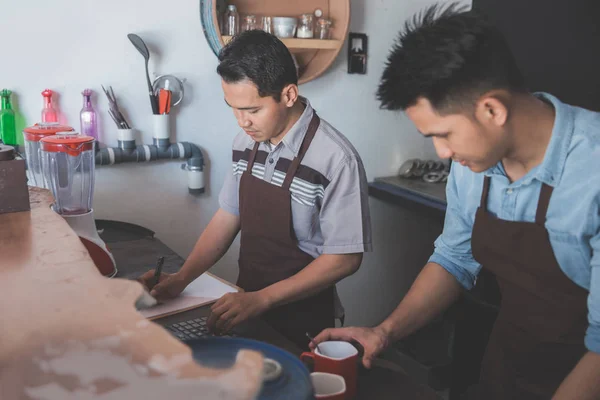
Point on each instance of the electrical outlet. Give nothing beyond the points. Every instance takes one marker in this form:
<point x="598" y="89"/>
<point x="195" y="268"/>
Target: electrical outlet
<point x="357" y="53"/>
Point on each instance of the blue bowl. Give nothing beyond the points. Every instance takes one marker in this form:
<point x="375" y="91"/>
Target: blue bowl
<point x="220" y="352"/>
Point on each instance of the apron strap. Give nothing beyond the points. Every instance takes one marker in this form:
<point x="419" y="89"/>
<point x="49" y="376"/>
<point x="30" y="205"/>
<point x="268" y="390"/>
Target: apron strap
<point x="542" y="207"/>
<point x="484" y="192"/>
<point x="252" y="157"/>
<point x="310" y="134"/>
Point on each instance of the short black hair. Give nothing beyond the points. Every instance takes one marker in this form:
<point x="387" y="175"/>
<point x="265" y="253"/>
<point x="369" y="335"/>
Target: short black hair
<point x="450" y="57"/>
<point x="261" y="58"/>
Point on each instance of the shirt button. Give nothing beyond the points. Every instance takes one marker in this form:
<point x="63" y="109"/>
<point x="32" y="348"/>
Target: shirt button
<point x="509" y="191"/>
<point x="271" y="161"/>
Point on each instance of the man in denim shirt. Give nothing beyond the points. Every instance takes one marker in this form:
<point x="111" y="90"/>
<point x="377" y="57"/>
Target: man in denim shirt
<point x="523" y="204"/>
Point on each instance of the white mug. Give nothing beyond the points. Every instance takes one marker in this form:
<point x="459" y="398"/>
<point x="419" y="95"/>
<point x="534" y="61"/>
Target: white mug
<point x="328" y="386"/>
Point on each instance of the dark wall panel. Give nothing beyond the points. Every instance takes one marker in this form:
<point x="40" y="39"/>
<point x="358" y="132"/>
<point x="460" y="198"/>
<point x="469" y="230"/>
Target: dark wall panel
<point x="556" y="43"/>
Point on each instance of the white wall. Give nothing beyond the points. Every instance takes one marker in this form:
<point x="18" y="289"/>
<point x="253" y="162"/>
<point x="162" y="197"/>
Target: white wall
<point x="68" y="45"/>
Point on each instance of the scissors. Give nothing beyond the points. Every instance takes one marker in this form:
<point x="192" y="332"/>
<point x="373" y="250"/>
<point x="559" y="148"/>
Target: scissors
<point x="113" y="110"/>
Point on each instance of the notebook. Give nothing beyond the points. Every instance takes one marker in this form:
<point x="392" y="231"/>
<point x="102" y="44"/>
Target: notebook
<point x="204" y="290"/>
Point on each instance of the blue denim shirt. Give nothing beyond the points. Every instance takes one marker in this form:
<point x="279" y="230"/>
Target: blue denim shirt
<point x="572" y="166"/>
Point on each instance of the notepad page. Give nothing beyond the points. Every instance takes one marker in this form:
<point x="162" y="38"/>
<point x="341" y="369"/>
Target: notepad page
<point x="204" y="290"/>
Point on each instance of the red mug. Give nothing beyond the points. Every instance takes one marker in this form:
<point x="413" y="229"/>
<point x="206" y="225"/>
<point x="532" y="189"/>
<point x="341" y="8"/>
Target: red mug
<point x="336" y="357"/>
<point x="328" y="386"/>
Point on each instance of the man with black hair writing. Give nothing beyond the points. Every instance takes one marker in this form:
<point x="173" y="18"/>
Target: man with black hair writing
<point x="297" y="193"/>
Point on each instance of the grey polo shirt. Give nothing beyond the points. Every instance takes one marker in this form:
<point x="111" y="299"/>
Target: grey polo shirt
<point x="330" y="209"/>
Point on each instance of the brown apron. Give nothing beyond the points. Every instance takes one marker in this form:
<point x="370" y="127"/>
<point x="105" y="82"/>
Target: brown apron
<point x="269" y="250"/>
<point x="538" y="335"/>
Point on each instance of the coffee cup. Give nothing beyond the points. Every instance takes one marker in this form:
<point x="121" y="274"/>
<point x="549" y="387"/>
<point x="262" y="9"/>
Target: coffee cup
<point x="339" y="358"/>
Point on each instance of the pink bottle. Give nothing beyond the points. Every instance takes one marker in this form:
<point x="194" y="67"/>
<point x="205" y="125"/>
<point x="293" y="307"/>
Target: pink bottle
<point x="49" y="114"/>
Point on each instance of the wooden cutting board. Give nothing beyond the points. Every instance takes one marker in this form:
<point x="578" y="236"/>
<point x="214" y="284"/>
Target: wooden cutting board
<point x="69" y="333"/>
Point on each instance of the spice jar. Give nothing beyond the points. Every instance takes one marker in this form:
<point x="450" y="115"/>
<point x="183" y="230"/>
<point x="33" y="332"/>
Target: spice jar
<point x="249" y="23"/>
<point x="305" y="28"/>
<point x="323" y="28"/>
<point x="267" y="24"/>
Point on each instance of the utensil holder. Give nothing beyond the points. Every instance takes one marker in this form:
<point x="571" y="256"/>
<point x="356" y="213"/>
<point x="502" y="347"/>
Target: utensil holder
<point x="161" y="126"/>
<point x="126" y="138"/>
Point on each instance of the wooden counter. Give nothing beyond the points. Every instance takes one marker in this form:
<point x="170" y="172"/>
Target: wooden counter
<point x="67" y="332"/>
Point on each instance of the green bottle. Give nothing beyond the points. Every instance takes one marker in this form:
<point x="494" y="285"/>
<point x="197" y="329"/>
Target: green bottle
<point x="8" y="133"/>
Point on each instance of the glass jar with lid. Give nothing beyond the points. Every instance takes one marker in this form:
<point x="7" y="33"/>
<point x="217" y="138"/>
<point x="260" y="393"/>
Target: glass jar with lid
<point x="249" y="23"/>
<point x="305" y="27"/>
<point x="323" y="28"/>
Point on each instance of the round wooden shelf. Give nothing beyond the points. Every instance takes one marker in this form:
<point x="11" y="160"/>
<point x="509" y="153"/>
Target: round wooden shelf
<point x="314" y="56"/>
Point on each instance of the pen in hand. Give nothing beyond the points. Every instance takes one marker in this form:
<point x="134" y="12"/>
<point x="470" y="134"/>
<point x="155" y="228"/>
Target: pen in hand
<point x="158" y="270"/>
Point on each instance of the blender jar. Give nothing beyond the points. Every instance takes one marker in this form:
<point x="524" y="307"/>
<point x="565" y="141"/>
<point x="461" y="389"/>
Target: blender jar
<point x="68" y="164"/>
<point x="32" y="136"/>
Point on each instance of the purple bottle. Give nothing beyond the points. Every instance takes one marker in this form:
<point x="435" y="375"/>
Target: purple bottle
<point x="88" y="117"/>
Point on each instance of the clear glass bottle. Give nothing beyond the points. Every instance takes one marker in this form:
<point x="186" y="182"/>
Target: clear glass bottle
<point x="267" y="24"/>
<point x="49" y="114"/>
<point x="231" y="21"/>
<point x="8" y="131"/>
<point x="249" y="23"/>
<point x="88" y="117"/>
<point x="305" y="27"/>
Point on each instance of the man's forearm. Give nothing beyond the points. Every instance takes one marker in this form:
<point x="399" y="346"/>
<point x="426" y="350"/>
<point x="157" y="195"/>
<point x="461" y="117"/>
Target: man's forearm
<point x="212" y="245"/>
<point x="434" y="290"/>
<point x="324" y="271"/>
<point x="583" y="382"/>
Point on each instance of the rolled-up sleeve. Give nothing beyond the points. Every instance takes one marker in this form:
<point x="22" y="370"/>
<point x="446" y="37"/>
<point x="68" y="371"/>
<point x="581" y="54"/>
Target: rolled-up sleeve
<point x="344" y="217"/>
<point x="592" y="336"/>
<point x="229" y="196"/>
<point x="453" y="246"/>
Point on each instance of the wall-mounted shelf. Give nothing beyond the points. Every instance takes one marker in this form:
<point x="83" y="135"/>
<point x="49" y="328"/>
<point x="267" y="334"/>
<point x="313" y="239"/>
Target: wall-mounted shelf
<point x="307" y="44"/>
<point x="314" y="56"/>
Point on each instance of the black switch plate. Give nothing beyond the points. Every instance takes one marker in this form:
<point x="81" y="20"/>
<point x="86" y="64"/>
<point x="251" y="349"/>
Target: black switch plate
<point x="357" y="53"/>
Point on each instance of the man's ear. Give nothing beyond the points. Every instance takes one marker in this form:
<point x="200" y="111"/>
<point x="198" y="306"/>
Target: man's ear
<point x="492" y="109"/>
<point x="289" y="95"/>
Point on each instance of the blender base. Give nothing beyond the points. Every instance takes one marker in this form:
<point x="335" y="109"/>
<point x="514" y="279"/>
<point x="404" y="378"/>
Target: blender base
<point x="85" y="227"/>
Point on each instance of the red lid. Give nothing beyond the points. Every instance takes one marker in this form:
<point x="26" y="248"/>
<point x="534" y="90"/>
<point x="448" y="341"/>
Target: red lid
<point x="71" y="143"/>
<point x="38" y="131"/>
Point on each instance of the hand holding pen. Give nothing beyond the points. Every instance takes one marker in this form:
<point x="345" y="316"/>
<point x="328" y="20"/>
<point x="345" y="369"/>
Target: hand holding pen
<point x="163" y="286"/>
<point x="158" y="270"/>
